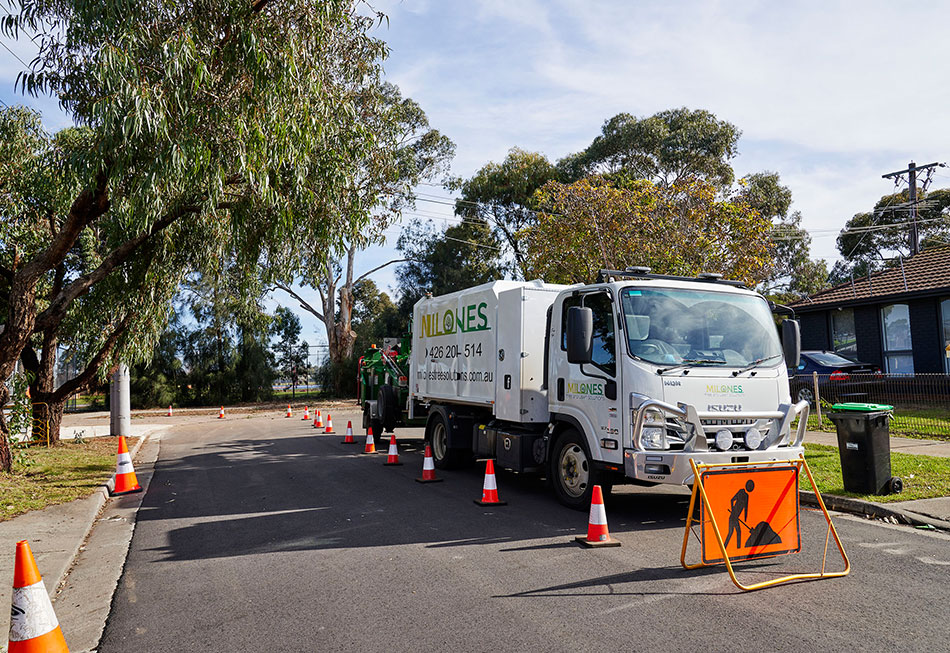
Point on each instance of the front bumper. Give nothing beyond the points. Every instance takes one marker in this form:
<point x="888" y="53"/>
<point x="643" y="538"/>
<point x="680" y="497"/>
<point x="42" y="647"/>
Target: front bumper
<point x="672" y="466"/>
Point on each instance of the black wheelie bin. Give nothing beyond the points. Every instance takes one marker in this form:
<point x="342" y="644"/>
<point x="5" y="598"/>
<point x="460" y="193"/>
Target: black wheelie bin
<point x="865" y="448"/>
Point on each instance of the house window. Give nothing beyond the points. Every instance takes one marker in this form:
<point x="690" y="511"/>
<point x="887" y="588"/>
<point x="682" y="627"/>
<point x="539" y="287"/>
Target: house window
<point x="945" y="313"/>
<point x="898" y="351"/>
<point x="843" y="338"/>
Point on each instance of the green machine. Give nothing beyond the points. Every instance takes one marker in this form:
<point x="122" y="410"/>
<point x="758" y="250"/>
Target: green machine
<point x="383" y="386"/>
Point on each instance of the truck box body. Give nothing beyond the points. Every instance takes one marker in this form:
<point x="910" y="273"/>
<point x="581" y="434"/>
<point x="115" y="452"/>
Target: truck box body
<point x="484" y="346"/>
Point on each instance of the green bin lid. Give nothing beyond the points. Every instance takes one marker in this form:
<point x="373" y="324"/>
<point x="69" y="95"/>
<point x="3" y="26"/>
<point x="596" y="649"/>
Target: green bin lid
<point x="861" y="408"/>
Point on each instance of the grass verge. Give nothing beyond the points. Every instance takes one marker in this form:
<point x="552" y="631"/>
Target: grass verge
<point x="44" y="477"/>
<point x="925" y="477"/>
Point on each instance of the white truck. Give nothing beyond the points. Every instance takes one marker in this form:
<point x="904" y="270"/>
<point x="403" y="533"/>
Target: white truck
<point x="620" y="381"/>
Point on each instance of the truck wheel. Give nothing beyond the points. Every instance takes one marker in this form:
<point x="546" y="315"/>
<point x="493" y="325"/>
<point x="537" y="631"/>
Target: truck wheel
<point x="388" y="408"/>
<point x="572" y="474"/>
<point x="437" y="435"/>
<point x="373" y="423"/>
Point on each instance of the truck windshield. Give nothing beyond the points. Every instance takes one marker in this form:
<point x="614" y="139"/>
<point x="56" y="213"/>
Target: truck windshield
<point x="694" y="327"/>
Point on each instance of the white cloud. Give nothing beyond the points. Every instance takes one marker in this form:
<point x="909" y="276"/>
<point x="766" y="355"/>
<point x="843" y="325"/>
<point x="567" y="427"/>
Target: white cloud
<point x="830" y="95"/>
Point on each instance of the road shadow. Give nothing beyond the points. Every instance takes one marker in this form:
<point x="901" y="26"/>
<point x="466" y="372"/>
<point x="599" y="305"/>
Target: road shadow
<point x="304" y="492"/>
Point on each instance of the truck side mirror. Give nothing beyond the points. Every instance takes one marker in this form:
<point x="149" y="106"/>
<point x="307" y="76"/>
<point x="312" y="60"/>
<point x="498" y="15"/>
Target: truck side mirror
<point x="580" y="334"/>
<point x="791" y="343"/>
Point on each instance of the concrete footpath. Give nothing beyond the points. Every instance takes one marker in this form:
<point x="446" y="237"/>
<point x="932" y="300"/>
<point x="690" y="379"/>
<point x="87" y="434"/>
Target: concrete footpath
<point x="920" y="512"/>
<point x="57" y="535"/>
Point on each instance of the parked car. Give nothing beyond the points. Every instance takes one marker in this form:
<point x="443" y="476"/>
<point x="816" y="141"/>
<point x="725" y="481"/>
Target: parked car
<point x="839" y="379"/>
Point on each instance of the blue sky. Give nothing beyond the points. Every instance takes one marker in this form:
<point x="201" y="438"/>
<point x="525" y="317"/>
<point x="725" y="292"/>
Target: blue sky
<point x="831" y="95"/>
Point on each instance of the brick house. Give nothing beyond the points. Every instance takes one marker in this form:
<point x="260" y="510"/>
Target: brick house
<point x="898" y="318"/>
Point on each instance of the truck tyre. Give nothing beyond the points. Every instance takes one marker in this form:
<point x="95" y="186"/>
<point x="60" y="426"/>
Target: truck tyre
<point x="388" y="408"/>
<point x="572" y="473"/>
<point x="373" y="423"/>
<point x="437" y="435"/>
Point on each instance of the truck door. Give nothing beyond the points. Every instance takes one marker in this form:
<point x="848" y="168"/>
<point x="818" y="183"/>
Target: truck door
<point x="584" y="392"/>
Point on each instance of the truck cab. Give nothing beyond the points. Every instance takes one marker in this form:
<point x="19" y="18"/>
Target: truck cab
<point x="652" y="371"/>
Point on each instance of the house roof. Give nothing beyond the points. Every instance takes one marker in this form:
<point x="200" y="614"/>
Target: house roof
<point x="925" y="273"/>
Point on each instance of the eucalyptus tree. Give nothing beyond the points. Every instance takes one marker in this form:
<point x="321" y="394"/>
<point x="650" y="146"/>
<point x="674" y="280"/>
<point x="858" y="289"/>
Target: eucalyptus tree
<point x="666" y="147"/>
<point x="502" y="196"/>
<point x="202" y="128"/>
<point x="405" y="152"/>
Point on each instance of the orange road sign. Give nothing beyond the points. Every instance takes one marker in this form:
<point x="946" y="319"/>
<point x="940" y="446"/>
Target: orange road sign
<point x="755" y="509"/>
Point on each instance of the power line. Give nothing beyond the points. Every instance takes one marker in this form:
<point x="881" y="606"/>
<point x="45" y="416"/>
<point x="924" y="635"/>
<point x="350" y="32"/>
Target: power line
<point x="7" y="48"/>
<point x="911" y="173"/>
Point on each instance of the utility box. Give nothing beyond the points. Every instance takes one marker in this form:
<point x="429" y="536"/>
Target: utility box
<point x="864" y="447"/>
<point x="484" y="346"/>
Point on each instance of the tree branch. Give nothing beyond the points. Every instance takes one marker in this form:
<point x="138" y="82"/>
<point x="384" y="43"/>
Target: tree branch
<point x="303" y="303"/>
<point x="60" y="304"/>
<point x="380" y="267"/>
<point x="77" y="383"/>
<point x="85" y="209"/>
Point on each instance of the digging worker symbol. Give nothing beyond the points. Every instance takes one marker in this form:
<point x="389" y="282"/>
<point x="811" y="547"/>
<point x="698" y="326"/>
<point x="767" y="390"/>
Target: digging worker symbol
<point x="739" y="505"/>
<point x="760" y="535"/>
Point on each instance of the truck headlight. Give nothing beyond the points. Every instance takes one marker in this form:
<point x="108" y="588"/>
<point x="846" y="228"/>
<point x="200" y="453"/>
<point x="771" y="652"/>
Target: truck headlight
<point x="723" y="439"/>
<point x="654" y="437"/>
<point x="753" y="438"/>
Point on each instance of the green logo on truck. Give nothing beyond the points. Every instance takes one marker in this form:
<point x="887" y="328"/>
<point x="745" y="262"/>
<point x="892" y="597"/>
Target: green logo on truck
<point x="473" y="317"/>
<point x="591" y="389"/>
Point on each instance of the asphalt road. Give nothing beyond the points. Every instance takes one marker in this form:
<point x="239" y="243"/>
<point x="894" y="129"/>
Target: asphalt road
<point x="259" y="534"/>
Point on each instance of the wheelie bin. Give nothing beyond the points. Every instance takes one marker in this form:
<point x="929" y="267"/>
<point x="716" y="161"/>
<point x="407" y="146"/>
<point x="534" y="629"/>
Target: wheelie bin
<point x="864" y="447"/>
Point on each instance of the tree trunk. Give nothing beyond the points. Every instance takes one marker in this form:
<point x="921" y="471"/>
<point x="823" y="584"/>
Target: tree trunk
<point x="6" y="458"/>
<point x="43" y="385"/>
<point x="49" y="412"/>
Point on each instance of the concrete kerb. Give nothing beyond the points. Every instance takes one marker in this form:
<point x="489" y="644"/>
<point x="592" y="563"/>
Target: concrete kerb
<point x="873" y="510"/>
<point x="101" y="495"/>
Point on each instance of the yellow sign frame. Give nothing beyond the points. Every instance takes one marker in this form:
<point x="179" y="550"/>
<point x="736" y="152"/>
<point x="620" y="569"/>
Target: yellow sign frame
<point x="700" y="491"/>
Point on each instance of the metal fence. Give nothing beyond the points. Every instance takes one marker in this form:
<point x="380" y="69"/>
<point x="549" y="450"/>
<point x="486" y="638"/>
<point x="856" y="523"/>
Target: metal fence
<point x="921" y="401"/>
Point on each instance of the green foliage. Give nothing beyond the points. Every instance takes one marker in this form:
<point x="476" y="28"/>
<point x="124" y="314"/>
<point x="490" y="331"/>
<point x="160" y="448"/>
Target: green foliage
<point x="156" y="383"/>
<point x="208" y="133"/>
<point x="667" y="147"/>
<point x="794" y="274"/>
<point x="440" y="262"/>
<point x="375" y="316"/>
<point x="683" y="229"/>
<point x="867" y="240"/>
<point x="502" y="196"/>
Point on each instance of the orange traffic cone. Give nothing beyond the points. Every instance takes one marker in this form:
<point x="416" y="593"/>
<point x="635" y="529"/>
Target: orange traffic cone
<point x="289" y="412"/>
<point x="169" y="410"/>
<point x="597" y="535"/>
<point x="393" y="457"/>
<point x="349" y="434"/>
<point x="125" y="480"/>
<point x="34" y="627"/>
<point x="306" y="413"/>
<point x="490" y="488"/>
<point x="319" y="422"/>
<point x="329" y="424"/>
<point x="370" y="443"/>
<point x="428" y="468"/>
<point x="221" y="413"/>
<point x="314" y="420"/>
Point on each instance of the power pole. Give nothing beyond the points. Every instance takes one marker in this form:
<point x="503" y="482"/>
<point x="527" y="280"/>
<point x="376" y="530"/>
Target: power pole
<point x="911" y="173"/>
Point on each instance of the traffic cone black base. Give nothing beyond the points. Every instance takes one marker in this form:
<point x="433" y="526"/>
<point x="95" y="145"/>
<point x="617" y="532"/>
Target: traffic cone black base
<point x="429" y="480"/>
<point x="582" y="539"/>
